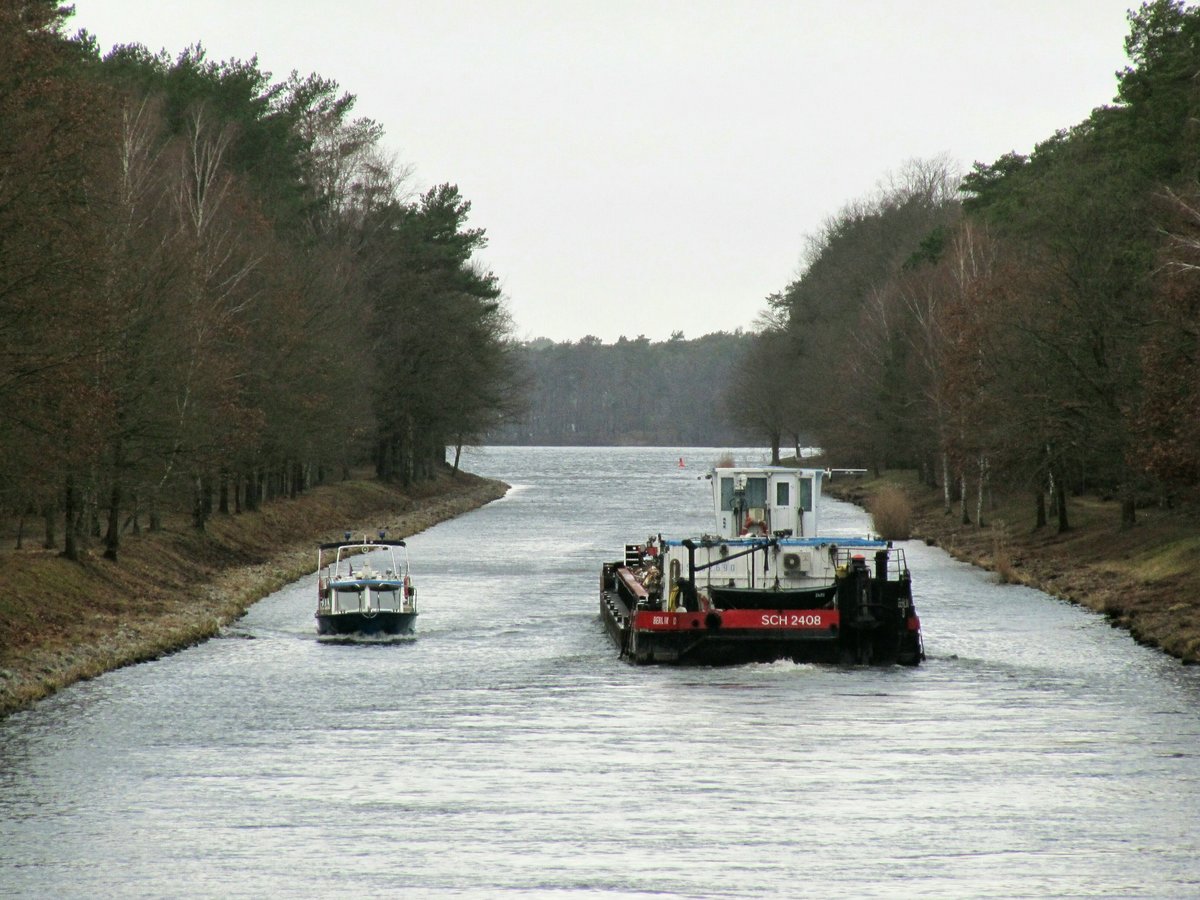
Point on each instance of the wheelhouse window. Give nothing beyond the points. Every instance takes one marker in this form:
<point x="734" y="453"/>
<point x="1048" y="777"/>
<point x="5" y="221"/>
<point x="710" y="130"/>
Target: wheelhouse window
<point x="756" y="493"/>
<point x="783" y="494"/>
<point x="726" y="493"/>
<point x="806" y="494"/>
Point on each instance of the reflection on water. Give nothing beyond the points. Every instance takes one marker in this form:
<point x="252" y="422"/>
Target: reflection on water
<point x="506" y="749"/>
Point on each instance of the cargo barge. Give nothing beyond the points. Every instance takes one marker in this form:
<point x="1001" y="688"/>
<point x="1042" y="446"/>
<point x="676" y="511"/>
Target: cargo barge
<point x="764" y="586"/>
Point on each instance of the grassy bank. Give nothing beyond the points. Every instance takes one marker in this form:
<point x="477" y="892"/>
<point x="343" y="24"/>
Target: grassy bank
<point x="1145" y="579"/>
<point x="61" y="621"/>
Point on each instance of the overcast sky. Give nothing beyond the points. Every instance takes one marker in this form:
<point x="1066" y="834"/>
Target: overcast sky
<point x="651" y="166"/>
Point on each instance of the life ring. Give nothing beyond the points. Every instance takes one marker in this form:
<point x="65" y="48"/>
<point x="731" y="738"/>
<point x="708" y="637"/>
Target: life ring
<point x="753" y="524"/>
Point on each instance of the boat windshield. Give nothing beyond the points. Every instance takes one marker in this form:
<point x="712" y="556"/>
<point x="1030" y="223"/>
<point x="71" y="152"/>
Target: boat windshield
<point x="351" y="561"/>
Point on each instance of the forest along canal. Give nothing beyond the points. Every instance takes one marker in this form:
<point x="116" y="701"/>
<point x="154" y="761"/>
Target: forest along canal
<point x="1037" y="753"/>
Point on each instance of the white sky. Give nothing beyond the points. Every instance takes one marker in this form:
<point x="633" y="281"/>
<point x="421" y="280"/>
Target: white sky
<point x="647" y="166"/>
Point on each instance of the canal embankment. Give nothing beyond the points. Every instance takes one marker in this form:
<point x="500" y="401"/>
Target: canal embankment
<point x="1144" y="579"/>
<point x="63" y="621"/>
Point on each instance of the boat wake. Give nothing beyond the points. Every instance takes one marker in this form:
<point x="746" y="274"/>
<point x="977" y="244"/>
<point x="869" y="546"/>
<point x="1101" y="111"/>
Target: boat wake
<point x="366" y="639"/>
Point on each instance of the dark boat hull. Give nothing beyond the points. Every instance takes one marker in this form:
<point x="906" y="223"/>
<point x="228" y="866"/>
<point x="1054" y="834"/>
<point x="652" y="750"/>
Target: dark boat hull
<point x="381" y="624"/>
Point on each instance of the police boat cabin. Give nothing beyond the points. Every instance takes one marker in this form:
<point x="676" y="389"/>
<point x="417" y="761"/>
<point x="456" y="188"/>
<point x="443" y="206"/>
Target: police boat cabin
<point x="765" y="585"/>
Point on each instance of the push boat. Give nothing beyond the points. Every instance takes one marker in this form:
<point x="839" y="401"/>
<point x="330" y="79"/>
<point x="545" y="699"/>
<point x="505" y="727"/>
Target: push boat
<point x="364" y="588"/>
<point x="765" y="586"/>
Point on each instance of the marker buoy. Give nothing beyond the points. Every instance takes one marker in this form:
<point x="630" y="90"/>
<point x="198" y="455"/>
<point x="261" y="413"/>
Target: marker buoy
<point x="681" y="465"/>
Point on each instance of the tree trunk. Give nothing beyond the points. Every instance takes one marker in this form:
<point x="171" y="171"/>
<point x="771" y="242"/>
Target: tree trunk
<point x="1128" y="512"/>
<point x="48" y="514"/>
<point x="1060" y="502"/>
<point x="198" y="515"/>
<point x="983" y="477"/>
<point x="388" y="465"/>
<point x="1040" y="517"/>
<point x="112" y="531"/>
<point x="112" y="535"/>
<point x="70" y="504"/>
<point x="946" y="483"/>
<point x="91" y="513"/>
<point x="457" y="456"/>
<point x="965" y="517"/>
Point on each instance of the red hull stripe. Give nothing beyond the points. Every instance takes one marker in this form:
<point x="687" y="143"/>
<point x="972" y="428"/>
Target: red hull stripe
<point x="765" y="619"/>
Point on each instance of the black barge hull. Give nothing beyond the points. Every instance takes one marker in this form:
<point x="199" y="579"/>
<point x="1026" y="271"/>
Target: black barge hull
<point x="859" y="623"/>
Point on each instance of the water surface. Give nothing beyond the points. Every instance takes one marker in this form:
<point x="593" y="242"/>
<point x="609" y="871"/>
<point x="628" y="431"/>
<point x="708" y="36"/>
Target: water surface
<point x="507" y="751"/>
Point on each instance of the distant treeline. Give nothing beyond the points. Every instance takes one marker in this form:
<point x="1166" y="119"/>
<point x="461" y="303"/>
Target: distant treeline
<point x="668" y="393"/>
<point x="215" y="288"/>
<point x="1035" y="324"/>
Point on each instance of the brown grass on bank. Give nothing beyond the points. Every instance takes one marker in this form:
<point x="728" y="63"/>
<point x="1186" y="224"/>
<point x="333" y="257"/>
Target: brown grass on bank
<point x="61" y="621"/>
<point x="1144" y="579"/>
<point x="891" y="513"/>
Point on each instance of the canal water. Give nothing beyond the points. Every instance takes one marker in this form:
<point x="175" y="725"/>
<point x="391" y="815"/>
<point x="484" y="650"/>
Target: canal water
<point x="507" y="751"/>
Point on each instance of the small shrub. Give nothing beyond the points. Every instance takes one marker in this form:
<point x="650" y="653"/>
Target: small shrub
<point x="1002" y="562"/>
<point x="725" y="461"/>
<point x="891" y="514"/>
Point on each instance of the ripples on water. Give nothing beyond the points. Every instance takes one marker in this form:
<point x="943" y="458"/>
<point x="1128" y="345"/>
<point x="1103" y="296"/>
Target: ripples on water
<point x="506" y="749"/>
